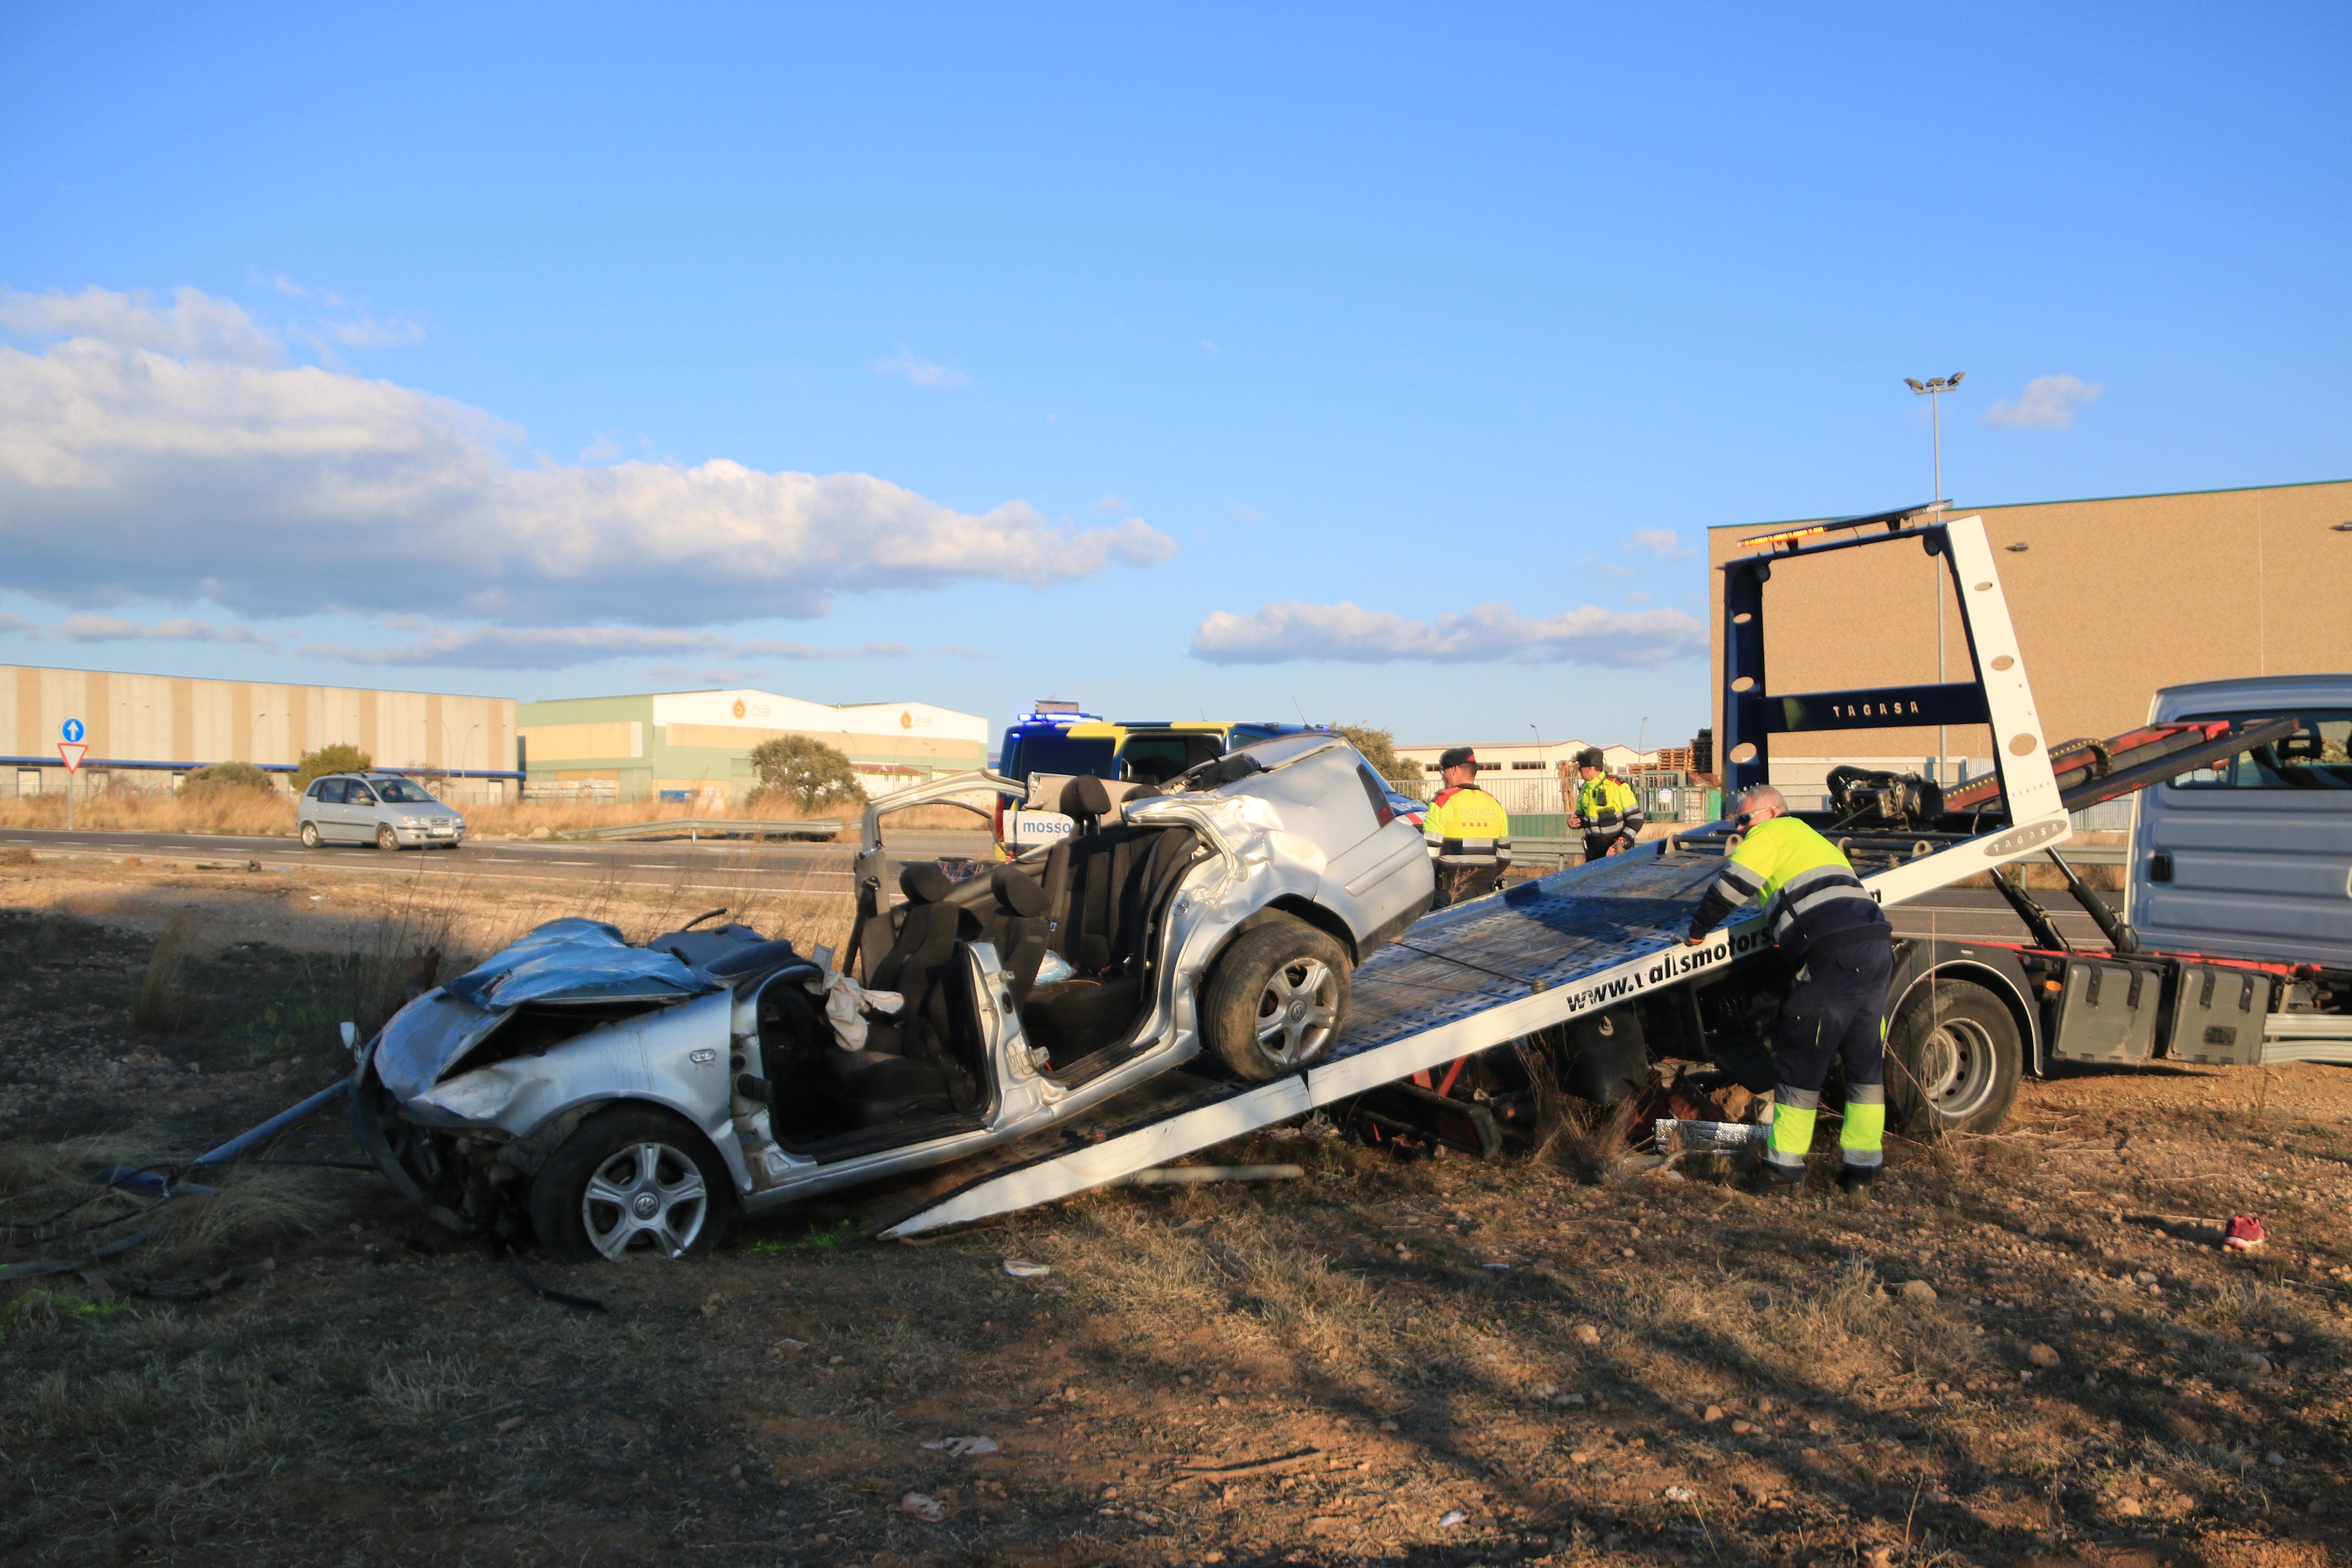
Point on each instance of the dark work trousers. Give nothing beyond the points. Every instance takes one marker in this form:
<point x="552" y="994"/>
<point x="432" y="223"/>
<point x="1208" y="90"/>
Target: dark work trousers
<point x="1597" y="845"/>
<point x="1837" y="1009"/>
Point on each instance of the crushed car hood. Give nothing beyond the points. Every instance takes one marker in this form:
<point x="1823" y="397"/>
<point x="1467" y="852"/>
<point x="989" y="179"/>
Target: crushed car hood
<point x="563" y="962"/>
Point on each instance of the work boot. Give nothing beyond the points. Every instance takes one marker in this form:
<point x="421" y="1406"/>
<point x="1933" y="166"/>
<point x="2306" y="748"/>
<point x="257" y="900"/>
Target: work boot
<point x="1767" y="1181"/>
<point x="1854" y="1178"/>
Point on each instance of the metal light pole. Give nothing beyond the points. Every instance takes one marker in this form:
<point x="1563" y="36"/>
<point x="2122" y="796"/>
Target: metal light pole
<point x="1932" y="390"/>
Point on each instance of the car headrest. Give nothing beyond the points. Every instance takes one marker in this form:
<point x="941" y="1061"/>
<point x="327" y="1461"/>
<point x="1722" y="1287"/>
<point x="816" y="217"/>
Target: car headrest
<point x="1017" y="892"/>
<point x="924" y="883"/>
<point x="1085" y="796"/>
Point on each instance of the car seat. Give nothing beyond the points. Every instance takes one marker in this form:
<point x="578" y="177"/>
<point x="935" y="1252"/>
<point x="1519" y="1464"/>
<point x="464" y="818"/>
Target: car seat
<point x="1105" y="891"/>
<point x="909" y="1065"/>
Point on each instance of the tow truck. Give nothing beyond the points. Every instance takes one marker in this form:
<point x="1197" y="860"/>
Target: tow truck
<point x="1583" y="975"/>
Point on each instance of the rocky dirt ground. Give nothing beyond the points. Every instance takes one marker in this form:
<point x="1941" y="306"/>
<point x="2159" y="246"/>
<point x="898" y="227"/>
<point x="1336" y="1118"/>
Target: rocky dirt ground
<point x="2025" y="1348"/>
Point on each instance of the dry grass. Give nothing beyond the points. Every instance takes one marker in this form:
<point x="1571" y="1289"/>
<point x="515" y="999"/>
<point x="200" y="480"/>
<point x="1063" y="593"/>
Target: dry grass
<point x="233" y="811"/>
<point x="246" y="812"/>
<point x="162" y="999"/>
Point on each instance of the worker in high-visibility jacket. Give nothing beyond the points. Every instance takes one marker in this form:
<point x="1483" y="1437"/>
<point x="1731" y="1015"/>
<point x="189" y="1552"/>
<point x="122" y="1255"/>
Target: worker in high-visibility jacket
<point x="1607" y="809"/>
<point x="1467" y="831"/>
<point x="1834" y="932"/>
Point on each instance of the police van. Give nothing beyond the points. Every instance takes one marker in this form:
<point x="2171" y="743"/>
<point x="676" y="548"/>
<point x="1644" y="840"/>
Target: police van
<point x="1056" y="741"/>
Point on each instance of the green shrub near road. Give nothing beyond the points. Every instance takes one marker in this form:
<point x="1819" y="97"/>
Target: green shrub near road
<point x="806" y="772"/>
<point x="339" y="758"/>
<point x="225" y="775"/>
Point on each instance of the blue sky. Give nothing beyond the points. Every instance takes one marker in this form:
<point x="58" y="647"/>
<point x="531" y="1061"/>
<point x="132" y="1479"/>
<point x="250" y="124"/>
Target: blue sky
<point x="1366" y="362"/>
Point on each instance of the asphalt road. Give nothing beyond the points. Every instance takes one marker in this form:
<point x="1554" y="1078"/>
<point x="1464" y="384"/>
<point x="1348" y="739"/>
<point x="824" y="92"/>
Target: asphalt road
<point x="1966" y="913"/>
<point x="818" y="868"/>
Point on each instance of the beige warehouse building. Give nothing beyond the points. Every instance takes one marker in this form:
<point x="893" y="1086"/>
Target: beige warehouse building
<point x="2112" y="599"/>
<point x="147" y="730"/>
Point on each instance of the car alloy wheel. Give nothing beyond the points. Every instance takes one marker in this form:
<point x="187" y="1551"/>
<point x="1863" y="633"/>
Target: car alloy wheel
<point x="309" y="835"/>
<point x="386" y="840"/>
<point x="1296" y="1012"/>
<point x="645" y="1195"/>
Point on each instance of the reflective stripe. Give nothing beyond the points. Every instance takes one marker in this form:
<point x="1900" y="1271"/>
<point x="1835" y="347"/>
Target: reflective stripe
<point x="1792" y="1134"/>
<point x="1865" y="1159"/>
<point x="1816" y="899"/>
<point x="1747" y="879"/>
<point x="1796" y="1099"/>
<point x="1866" y="1094"/>
<point x="1864" y="1134"/>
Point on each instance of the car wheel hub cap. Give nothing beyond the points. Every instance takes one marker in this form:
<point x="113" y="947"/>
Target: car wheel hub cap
<point x="1298" y="1012"/>
<point x="646" y="1196"/>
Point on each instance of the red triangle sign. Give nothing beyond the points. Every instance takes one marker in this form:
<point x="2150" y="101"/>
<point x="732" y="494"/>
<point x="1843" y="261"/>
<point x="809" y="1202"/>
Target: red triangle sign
<point x="73" y="752"/>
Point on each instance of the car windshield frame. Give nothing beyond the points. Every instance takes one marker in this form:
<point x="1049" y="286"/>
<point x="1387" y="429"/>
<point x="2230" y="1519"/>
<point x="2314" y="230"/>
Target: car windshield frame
<point x="400" y="792"/>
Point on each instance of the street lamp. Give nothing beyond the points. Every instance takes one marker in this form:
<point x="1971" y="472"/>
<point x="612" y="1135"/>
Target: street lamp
<point x="1932" y="390"/>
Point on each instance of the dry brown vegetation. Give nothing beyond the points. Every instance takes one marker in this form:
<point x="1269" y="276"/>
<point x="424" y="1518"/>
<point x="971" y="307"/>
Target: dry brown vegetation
<point x="1586" y="1365"/>
<point x="245" y="812"/>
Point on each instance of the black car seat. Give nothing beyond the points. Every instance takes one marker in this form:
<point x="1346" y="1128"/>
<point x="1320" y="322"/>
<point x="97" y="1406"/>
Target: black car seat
<point x="1017" y="928"/>
<point x="909" y="1065"/>
<point x="1116" y="883"/>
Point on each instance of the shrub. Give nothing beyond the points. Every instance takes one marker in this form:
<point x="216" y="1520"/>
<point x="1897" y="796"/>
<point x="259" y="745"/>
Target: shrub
<point x="806" y="772"/>
<point x="339" y="758"/>
<point x="1379" y="747"/>
<point x="226" y="775"/>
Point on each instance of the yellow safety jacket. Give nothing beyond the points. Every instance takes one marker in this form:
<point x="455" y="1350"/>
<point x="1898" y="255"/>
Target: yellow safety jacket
<point x="1609" y="805"/>
<point x="1466" y="824"/>
<point x="1807" y="888"/>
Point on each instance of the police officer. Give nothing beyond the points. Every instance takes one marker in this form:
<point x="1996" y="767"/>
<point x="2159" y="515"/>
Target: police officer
<point x="1606" y="808"/>
<point x="1834" y="932"/>
<point x="1467" y="830"/>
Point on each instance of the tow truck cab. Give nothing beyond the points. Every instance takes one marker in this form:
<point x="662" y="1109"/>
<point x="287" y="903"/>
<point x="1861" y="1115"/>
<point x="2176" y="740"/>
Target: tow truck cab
<point x="1058" y="739"/>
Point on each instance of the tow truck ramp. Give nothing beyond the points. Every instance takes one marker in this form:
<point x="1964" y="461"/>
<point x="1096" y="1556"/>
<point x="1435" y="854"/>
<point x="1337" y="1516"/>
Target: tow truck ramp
<point x="1545" y="952"/>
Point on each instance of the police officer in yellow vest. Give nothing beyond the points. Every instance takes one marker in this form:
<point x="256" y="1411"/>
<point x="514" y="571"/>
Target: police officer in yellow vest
<point x="1468" y="833"/>
<point x="1828" y="927"/>
<point x="1607" y="809"/>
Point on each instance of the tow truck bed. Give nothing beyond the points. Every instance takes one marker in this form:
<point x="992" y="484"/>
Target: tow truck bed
<point x="1495" y="970"/>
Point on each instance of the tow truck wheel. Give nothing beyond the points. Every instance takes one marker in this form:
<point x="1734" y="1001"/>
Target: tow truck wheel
<point x="1273" y="1003"/>
<point x="630" y="1180"/>
<point x="1954" y="1057"/>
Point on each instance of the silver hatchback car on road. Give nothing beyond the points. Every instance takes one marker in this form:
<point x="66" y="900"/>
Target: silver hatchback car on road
<point x="381" y="809"/>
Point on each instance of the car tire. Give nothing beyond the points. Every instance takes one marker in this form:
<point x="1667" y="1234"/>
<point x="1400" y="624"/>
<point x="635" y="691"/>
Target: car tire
<point x="1275" y="1002"/>
<point x="387" y="840"/>
<point x="1954" y="1058"/>
<point x="309" y="835"/>
<point x="630" y="1180"/>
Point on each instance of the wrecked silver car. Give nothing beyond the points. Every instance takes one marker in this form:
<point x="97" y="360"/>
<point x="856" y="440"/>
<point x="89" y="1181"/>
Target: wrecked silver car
<point x="625" y="1098"/>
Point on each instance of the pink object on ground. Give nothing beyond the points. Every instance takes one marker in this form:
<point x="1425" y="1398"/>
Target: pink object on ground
<point x="2245" y="1234"/>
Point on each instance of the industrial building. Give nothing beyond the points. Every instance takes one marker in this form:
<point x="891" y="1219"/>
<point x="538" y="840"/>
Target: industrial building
<point x="2112" y="598"/>
<point x="1528" y="776"/>
<point x="148" y="730"/>
<point x="696" y="745"/>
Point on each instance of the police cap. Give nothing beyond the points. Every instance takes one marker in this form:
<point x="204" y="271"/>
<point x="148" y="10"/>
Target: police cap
<point x="1590" y="758"/>
<point x="1457" y="757"/>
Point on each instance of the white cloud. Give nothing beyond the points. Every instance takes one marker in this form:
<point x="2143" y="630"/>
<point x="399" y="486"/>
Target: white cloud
<point x="679" y="675"/>
<point x="1606" y="568"/>
<point x="921" y="372"/>
<point x="1111" y="503"/>
<point x="1662" y="543"/>
<point x="1636" y="599"/>
<point x="559" y="648"/>
<point x="15" y="624"/>
<point x="1247" y="513"/>
<point x="1287" y="631"/>
<point x="113" y="628"/>
<point x="367" y="332"/>
<point x="195" y="326"/>
<point x="174" y="454"/>
<point x="2047" y="403"/>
